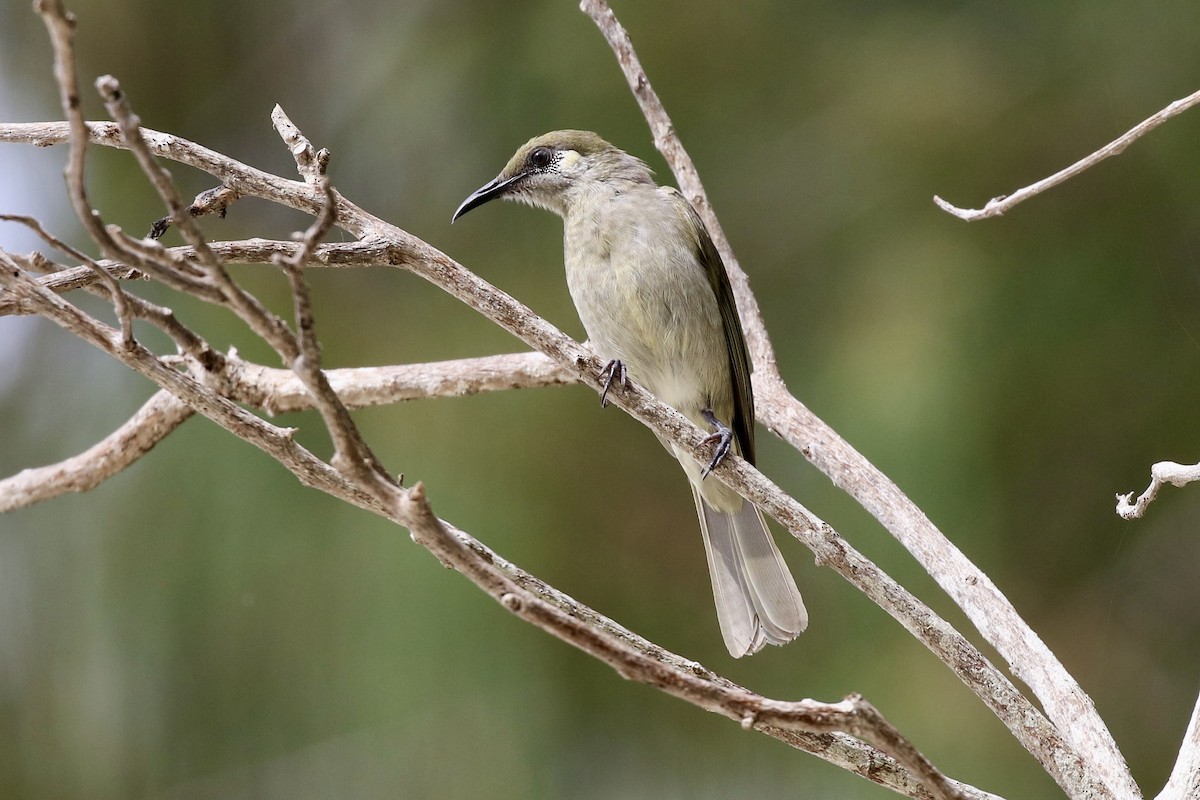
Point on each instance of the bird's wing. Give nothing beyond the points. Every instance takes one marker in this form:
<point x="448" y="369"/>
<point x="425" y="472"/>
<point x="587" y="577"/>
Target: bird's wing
<point x="739" y="359"/>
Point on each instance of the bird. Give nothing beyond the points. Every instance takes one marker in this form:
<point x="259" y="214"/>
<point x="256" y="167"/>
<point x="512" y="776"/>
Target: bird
<point x="653" y="295"/>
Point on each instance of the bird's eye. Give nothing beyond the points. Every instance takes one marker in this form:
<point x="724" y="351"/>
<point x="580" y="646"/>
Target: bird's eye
<point x="541" y="157"/>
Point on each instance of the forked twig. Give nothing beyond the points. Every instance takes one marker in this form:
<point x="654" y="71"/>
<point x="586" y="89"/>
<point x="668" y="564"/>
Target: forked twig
<point x="1161" y="474"/>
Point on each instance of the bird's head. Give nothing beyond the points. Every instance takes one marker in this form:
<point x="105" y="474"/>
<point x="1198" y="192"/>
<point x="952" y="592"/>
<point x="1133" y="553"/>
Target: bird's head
<point x="552" y="170"/>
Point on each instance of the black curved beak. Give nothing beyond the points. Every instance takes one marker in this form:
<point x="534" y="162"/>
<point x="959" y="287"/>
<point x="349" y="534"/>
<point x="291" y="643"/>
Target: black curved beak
<point x="489" y="191"/>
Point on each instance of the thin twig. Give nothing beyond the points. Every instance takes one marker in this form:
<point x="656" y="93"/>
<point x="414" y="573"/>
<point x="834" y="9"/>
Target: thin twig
<point x="300" y="350"/>
<point x="351" y="452"/>
<point x="248" y="307"/>
<point x="118" y="107"/>
<point x="184" y="275"/>
<point x="92" y="271"/>
<point x="61" y="26"/>
<point x="1161" y="474"/>
<point x="92" y="267"/>
<point x="279" y="391"/>
<point x="310" y="162"/>
<point x="238" y="176"/>
<point x="133" y="306"/>
<point x="998" y="205"/>
<point x="160" y="415"/>
<point x="179" y="272"/>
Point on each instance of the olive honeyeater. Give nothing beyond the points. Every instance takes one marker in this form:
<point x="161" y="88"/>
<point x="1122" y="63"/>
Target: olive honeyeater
<point x="655" y="300"/>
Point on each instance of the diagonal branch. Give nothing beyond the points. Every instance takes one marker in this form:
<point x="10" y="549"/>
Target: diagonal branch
<point x="637" y="659"/>
<point x="237" y="176"/>
<point x="998" y="205"/>
<point x="1184" y="783"/>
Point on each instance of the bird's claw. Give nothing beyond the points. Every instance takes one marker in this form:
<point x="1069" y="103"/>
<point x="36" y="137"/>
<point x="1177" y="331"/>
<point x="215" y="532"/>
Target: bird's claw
<point x="614" y="372"/>
<point x="722" y="437"/>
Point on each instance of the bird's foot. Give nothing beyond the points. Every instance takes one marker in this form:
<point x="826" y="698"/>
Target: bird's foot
<point x="614" y="372"/>
<point x="722" y="437"/>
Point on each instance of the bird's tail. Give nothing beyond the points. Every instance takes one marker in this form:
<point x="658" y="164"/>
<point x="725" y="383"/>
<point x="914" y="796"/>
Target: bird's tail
<point x="757" y="599"/>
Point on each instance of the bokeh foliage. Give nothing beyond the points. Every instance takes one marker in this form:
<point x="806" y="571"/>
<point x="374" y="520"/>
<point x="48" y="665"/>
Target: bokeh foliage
<point x="202" y="626"/>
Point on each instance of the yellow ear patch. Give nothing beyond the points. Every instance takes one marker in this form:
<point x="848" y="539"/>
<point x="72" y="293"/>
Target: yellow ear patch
<point x="569" y="158"/>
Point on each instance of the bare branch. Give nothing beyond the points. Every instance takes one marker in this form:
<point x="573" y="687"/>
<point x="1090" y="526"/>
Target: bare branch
<point x="61" y="27"/>
<point x="310" y="162"/>
<point x="267" y="325"/>
<point x="1028" y="657"/>
<point x="351" y="452"/>
<point x="161" y="414"/>
<point x="181" y="273"/>
<point x="858" y="717"/>
<point x="236" y="175"/>
<point x="91" y="272"/>
<point x="998" y="205"/>
<point x="129" y="123"/>
<point x="280" y="391"/>
<point x="1184" y="783"/>
<point x="92" y="269"/>
<point x="300" y="350"/>
<point x="1162" y="473"/>
<point x="182" y="267"/>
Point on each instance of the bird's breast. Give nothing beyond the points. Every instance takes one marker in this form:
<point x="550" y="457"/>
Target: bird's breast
<point x="643" y="298"/>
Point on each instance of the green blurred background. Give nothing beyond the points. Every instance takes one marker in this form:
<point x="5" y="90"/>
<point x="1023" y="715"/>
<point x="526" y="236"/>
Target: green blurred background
<point x="201" y="626"/>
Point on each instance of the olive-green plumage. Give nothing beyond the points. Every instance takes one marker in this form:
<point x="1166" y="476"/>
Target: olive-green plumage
<point x="653" y="295"/>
